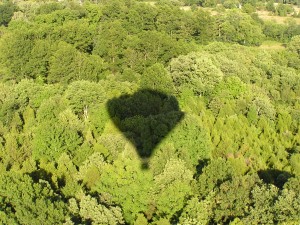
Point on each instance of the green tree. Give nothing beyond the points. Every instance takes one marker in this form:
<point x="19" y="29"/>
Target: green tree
<point x="38" y="64"/>
<point x="208" y="3"/>
<point x="89" y="210"/>
<point x="156" y="77"/>
<point x="238" y="27"/>
<point x="25" y="201"/>
<point x="294" y="45"/>
<point x="172" y="188"/>
<point x="287" y="207"/>
<point x="270" y="6"/>
<point x="130" y="186"/>
<point x="15" y="48"/>
<point x="197" y="211"/>
<point x="213" y="175"/>
<point x="108" y="44"/>
<point x="263" y="197"/>
<point x="51" y="139"/>
<point x="159" y="47"/>
<point x="168" y="19"/>
<point x="233" y="199"/>
<point x="67" y="64"/>
<point x="83" y="96"/>
<point x="64" y="176"/>
<point x="203" y="24"/>
<point x="78" y="33"/>
<point x="64" y="64"/>
<point x="195" y="71"/>
<point x="58" y="131"/>
<point x="7" y="10"/>
<point x="49" y="8"/>
<point x="192" y="141"/>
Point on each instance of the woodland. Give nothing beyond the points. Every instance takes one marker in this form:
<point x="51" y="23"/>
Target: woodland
<point x="166" y="112"/>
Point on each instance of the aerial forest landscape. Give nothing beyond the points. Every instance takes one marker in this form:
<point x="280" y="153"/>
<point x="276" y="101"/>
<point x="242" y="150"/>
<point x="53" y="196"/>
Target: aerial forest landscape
<point x="167" y="112"/>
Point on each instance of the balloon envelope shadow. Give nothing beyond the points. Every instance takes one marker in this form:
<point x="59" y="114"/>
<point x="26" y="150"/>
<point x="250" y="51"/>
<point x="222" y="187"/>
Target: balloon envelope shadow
<point x="145" y="118"/>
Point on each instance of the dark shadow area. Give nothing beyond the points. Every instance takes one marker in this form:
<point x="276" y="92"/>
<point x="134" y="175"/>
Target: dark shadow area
<point x="145" y="118"/>
<point x="199" y="168"/>
<point x="275" y="177"/>
<point x="293" y="150"/>
<point x="41" y="174"/>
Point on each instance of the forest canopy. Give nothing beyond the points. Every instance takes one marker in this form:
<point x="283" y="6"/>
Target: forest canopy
<point x="166" y="112"/>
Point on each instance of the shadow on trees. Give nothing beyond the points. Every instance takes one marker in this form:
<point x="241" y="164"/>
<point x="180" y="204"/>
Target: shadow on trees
<point x="42" y="174"/>
<point x="145" y="118"/>
<point x="275" y="177"/>
<point x="202" y="163"/>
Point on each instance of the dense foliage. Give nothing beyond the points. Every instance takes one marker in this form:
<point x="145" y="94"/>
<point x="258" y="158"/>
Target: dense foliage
<point x="88" y="90"/>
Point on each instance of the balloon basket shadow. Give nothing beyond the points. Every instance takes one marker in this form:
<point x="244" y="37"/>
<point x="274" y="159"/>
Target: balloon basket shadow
<point x="145" y="163"/>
